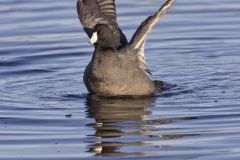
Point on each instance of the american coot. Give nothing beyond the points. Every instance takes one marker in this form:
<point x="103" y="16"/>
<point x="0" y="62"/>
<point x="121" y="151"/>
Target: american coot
<point x="118" y="67"/>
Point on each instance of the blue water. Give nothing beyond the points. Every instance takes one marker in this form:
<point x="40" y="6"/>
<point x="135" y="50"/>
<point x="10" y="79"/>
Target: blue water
<point x="47" y="114"/>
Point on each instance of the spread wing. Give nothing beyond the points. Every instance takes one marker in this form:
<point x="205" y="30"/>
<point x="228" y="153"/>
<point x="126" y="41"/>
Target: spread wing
<point x="93" y="12"/>
<point x="139" y="38"/>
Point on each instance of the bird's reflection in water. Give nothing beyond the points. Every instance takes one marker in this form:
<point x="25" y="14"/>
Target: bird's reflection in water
<point x="123" y="126"/>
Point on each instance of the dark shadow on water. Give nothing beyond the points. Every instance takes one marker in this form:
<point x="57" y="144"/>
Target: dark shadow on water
<point x="168" y="90"/>
<point x="75" y="96"/>
<point x="115" y="120"/>
<point x="112" y="110"/>
<point x="123" y="127"/>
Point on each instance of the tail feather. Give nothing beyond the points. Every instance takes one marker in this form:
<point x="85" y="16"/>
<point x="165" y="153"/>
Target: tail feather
<point x="159" y="85"/>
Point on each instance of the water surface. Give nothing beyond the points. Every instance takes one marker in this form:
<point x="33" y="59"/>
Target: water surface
<point x="46" y="113"/>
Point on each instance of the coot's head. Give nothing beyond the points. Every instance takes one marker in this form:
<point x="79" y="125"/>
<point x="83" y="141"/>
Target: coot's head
<point x="103" y="37"/>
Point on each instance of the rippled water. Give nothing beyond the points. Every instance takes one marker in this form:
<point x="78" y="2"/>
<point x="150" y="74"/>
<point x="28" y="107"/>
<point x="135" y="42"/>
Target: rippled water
<point x="46" y="113"/>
